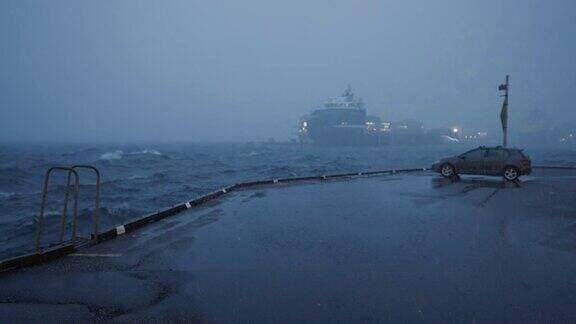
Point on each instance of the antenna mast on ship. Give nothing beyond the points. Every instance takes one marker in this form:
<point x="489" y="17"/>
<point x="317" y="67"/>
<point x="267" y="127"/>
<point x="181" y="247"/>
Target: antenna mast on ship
<point x="504" y="113"/>
<point x="348" y="92"/>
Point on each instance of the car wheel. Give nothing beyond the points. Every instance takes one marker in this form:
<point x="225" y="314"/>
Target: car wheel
<point x="447" y="170"/>
<point x="511" y="173"/>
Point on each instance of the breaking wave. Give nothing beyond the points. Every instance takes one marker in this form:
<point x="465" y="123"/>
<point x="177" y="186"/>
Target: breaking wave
<point x="147" y="151"/>
<point x="6" y="194"/>
<point x="119" y="154"/>
<point x="116" y="155"/>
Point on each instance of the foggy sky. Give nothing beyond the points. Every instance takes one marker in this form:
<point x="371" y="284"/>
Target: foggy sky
<point x="226" y="70"/>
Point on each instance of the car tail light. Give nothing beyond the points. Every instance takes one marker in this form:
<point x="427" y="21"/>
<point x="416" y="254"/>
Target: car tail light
<point x="525" y="163"/>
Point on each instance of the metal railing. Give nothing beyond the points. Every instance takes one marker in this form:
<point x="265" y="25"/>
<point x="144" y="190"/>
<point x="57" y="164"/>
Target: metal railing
<point x="552" y="167"/>
<point x="71" y="172"/>
<point x="39" y="231"/>
<point x="96" y="214"/>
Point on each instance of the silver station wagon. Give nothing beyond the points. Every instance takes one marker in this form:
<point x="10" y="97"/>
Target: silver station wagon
<point x="495" y="161"/>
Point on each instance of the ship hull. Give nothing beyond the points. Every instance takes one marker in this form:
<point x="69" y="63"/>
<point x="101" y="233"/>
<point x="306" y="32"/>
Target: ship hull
<point x="337" y="136"/>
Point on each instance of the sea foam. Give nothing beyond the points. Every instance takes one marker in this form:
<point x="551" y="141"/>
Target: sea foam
<point x="116" y="155"/>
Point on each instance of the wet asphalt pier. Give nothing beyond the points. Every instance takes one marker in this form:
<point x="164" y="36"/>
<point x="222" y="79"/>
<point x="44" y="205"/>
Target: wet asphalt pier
<point x="397" y="248"/>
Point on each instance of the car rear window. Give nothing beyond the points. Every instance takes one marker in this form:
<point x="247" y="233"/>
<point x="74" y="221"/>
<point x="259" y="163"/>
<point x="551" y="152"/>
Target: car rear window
<point x="517" y="153"/>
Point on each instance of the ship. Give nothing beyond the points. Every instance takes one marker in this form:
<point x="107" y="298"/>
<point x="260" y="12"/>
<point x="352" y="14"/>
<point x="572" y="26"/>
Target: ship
<point x="342" y="120"/>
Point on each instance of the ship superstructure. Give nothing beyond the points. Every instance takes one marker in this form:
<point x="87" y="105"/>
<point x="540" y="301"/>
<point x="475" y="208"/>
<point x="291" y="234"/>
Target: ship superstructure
<point x="341" y="121"/>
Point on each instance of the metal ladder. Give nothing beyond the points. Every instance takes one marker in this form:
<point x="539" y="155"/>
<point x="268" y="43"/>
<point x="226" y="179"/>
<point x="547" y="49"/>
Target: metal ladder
<point x="71" y="172"/>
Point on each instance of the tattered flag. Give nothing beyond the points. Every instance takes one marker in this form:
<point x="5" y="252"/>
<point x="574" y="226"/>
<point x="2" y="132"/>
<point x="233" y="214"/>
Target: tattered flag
<point x="502" y="87"/>
<point x="504" y="115"/>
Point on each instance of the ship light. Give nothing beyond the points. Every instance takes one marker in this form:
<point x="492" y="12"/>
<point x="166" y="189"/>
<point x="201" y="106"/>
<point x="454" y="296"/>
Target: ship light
<point x="305" y="124"/>
<point x="386" y="126"/>
<point x="455" y="130"/>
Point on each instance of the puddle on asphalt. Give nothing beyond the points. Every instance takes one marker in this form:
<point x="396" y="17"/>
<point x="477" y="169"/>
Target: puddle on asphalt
<point x="258" y="194"/>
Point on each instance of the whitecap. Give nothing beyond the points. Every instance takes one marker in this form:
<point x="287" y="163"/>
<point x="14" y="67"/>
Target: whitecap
<point x="116" y="155"/>
<point x="6" y="194"/>
<point x="147" y="151"/>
